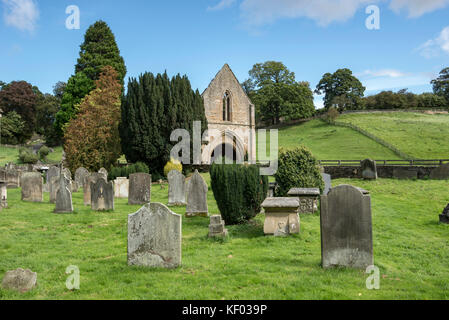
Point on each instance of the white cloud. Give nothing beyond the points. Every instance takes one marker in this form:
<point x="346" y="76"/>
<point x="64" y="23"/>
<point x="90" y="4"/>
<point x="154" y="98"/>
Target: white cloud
<point x="324" y="12"/>
<point x="433" y="47"/>
<point x="223" y="4"/>
<point x="417" y="8"/>
<point x="389" y="79"/>
<point x="21" y="14"/>
<point x="388" y="73"/>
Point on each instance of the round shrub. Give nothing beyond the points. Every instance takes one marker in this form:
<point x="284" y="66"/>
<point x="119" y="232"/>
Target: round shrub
<point x="239" y="191"/>
<point x="44" y="151"/>
<point x="298" y="168"/>
<point x="172" y="165"/>
<point x="26" y="156"/>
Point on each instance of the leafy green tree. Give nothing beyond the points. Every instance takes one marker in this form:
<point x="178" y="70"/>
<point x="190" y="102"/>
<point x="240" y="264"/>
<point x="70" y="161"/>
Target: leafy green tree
<point x="341" y="82"/>
<point x="152" y="108"/>
<point x="276" y="94"/>
<point x="58" y="89"/>
<point x="46" y="110"/>
<point x="20" y="96"/>
<point x="12" y="126"/>
<point x="98" y="50"/>
<point x="441" y="84"/>
<point x="2" y="84"/>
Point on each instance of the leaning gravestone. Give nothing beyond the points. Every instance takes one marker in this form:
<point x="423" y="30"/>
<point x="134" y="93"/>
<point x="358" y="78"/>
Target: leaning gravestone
<point x="93" y="177"/>
<point x="444" y="217"/>
<point x="81" y="175"/>
<point x="154" y="237"/>
<point x="346" y="228"/>
<point x="176" y="188"/>
<point x="197" y="196"/>
<point x="104" y="173"/>
<point x="327" y="183"/>
<point x="3" y="195"/>
<point x="19" y="280"/>
<point x="440" y="173"/>
<point x="139" y="188"/>
<point x="369" y="169"/>
<point x="102" y="195"/>
<point x="32" y="187"/>
<point x="121" y="187"/>
<point x="63" y="196"/>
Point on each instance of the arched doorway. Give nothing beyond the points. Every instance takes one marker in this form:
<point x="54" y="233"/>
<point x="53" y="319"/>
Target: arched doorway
<point x="224" y="150"/>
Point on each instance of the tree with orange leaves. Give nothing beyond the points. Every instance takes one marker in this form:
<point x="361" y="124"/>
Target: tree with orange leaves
<point x="92" y="139"/>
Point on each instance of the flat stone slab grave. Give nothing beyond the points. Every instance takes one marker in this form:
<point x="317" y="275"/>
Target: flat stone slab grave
<point x="154" y="237"/>
<point x="346" y="228"/>
<point x="281" y="216"/>
<point x="308" y="198"/>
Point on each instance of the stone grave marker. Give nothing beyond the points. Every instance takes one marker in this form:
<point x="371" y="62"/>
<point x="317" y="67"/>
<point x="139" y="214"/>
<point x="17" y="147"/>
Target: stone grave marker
<point x="81" y="175"/>
<point x="104" y="173"/>
<point x="139" y="188"/>
<point x="217" y="227"/>
<point x="63" y="201"/>
<point x="346" y="228"/>
<point x="121" y="187"/>
<point x="93" y="177"/>
<point x="32" y="187"/>
<point x="102" y="195"/>
<point x="308" y="198"/>
<point x="327" y="182"/>
<point x="281" y="216"/>
<point x="197" y="196"/>
<point x="444" y="217"/>
<point x="176" y="188"/>
<point x="3" y="195"/>
<point x="369" y="169"/>
<point x="19" y="280"/>
<point x="154" y="237"/>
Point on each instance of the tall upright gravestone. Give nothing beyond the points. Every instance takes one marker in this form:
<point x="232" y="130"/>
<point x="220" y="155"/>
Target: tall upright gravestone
<point x="92" y="178"/>
<point x="197" y="196"/>
<point x="63" y="201"/>
<point x="154" y="237"/>
<point x="81" y="175"/>
<point x="104" y="173"/>
<point x="369" y="169"/>
<point x="3" y="195"/>
<point x="139" y="188"/>
<point x="176" y="188"/>
<point x="346" y="228"/>
<point x="121" y="187"/>
<point x="102" y="195"/>
<point x="32" y="187"/>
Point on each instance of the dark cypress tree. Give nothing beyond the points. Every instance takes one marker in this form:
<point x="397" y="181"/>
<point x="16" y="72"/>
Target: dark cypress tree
<point x="152" y="108"/>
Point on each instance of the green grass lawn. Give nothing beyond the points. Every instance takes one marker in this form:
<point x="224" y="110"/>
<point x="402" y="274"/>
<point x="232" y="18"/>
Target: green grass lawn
<point x="420" y="135"/>
<point x="8" y="155"/>
<point x="329" y="142"/>
<point x="410" y="247"/>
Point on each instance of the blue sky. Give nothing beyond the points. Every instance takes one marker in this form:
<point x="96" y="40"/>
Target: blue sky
<point x="197" y="37"/>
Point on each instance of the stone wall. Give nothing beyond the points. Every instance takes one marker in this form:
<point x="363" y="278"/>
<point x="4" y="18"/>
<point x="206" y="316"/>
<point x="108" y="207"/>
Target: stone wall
<point x="398" y="172"/>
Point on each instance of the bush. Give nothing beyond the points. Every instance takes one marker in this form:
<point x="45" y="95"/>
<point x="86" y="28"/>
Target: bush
<point x="116" y="172"/>
<point x="239" y="191"/>
<point x="331" y="115"/>
<point x="298" y="168"/>
<point x="44" y="151"/>
<point x="172" y="165"/>
<point x="26" y="156"/>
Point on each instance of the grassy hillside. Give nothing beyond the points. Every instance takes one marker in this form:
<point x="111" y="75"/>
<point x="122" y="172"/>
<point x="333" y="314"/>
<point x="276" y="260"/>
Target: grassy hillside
<point x="329" y="142"/>
<point x="410" y="248"/>
<point x="423" y="136"/>
<point x="8" y="155"/>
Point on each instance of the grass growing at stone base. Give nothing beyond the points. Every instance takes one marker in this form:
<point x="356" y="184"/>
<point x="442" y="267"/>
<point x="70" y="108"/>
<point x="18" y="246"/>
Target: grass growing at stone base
<point x="423" y="136"/>
<point x="410" y="247"/>
<point x="328" y="142"/>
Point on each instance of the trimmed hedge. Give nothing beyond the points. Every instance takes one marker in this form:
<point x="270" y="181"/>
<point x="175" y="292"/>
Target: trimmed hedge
<point x="239" y="191"/>
<point x="125" y="172"/>
<point x="298" y="168"/>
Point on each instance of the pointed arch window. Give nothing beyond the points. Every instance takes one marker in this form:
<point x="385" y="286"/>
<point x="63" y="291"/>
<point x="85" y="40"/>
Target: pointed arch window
<point x="227" y="107"/>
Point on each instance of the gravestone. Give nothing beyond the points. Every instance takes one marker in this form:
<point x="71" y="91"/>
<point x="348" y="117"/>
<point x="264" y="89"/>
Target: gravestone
<point x="32" y="187"/>
<point x="271" y="189"/>
<point x="102" y="195"/>
<point x="63" y="195"/>
<point x="327" y="183"/>
<point x="176" y="188"/>
<point x="444" y="217"/>
<point x="121" y="187"/>
<point x="308" y="198"/>
<point x="440" y="173"/>
<point x="19" y="280"/>
<point x="92" y="178"/>
<point x="154" y="237"/>
<point x="217" y="227"/>
<point x="139" y="188"/>
<point x="197" y="196"/>
<point x="81" y="175"/>
<point x="281" y="216"/>
<point x="104" y="173"/>
<point x="405" y="173"/>
<point x="53" y="171"/>
<point x="12" y="178"/>
<point x="346" y="228"/>
<point x="53" y="188"/>
<point x="369" y="169"/>
<point x="3" y="195"/>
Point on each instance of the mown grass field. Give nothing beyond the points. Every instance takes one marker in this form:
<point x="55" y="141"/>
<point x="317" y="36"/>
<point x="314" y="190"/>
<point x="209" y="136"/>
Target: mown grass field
<point x="423" y="136"/>
<point x="410" y="247"/>
<point x="8" y="154"/>
<point x="328" y="142"/>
